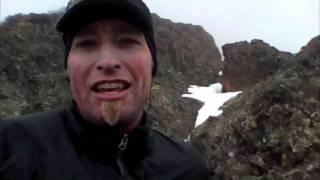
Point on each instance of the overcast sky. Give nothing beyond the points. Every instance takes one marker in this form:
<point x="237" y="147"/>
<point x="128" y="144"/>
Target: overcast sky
<point x="285" y="24"/>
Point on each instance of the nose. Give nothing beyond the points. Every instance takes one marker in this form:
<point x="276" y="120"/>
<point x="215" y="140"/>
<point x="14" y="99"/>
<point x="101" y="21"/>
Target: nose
<point x="108" y="68"/>
<point x="108" y="63"/>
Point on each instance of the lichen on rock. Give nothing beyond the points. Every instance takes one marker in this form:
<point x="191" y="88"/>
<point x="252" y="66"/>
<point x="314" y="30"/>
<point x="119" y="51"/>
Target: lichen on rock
<point x="271" y="131"/>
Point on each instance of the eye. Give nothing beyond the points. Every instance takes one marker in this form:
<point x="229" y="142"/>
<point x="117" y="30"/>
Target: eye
<point x="85" y="43"/>
<point x="127" y="41"/>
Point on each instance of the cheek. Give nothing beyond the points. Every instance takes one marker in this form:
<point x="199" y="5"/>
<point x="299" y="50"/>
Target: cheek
<point x="143" y="72"/>
<point x="72" y="71"/>
<point x="79" y="65"/>
<point x="143" y="64"/>
<point x="77" y="72"/>
<point x="74" y="82"/>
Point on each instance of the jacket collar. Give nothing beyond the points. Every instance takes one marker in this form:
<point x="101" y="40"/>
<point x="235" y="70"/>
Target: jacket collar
<point x="101" y="143"/>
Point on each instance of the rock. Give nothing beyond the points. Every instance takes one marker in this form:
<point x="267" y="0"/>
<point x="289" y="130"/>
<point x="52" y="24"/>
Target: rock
<point x="187" y="55"/>
<point x="270" y="131"/>
<point x="33" y="79"/>
<point x="246" y="64"/>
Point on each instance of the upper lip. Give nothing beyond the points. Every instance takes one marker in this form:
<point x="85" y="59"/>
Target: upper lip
<point x="95" y="85"/>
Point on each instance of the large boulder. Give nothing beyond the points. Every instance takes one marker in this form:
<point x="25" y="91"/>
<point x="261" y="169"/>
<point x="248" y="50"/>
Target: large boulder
<point x="246" y="64"/>
<point x="33" y="78"/>
<point x="271" y="131"/>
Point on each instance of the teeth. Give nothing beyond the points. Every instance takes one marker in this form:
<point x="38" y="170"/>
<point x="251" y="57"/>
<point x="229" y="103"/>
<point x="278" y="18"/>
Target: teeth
<point x="111" y="86"/>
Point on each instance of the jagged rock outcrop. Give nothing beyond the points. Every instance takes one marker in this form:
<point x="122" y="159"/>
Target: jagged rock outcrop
<point x="187" y="55"/>
<point x="248" y="63"/>
<point x="271" y="131"/>
<point x="32" y="73"/>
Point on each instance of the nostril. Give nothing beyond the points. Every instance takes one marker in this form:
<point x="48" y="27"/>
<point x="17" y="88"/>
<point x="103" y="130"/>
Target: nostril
<point x="99" y="67"/>
<point x="108" y="68"/>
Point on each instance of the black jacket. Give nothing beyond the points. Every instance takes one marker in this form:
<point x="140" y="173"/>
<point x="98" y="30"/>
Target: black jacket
<point x="60" y="145"/>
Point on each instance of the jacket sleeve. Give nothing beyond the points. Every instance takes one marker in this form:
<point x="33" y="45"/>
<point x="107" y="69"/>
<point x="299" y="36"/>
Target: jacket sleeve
<point x="176" y="160"/>
<point x="17" y="157"/>
<point x="199" y="169"/>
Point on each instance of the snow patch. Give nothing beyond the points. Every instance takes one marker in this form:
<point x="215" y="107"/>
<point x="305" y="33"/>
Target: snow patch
<point x="213" y="99"/>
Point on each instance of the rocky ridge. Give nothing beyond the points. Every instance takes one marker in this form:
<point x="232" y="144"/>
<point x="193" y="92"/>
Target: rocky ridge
<point x="271" y="131"/>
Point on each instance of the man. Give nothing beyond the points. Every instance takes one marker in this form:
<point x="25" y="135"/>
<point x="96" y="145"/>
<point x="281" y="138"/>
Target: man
<point x="110" y="59"/>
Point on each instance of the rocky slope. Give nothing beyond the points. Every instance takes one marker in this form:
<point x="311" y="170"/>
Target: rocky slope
<point x="32" y="74"/>
<point x="187" y="55"/>
<point x="271" y="131"/>
<point x="31" y="66"/>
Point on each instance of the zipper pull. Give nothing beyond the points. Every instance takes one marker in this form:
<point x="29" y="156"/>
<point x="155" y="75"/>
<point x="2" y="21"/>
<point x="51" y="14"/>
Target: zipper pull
<point x="122" y="146"/>
<point x="123" y="143"/>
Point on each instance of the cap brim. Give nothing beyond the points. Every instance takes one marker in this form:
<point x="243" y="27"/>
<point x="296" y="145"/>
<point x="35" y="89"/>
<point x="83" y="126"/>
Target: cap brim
<point x="85" y="12"/>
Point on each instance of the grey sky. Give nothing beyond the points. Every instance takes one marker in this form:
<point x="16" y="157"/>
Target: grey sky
<point x="285" y="24"/>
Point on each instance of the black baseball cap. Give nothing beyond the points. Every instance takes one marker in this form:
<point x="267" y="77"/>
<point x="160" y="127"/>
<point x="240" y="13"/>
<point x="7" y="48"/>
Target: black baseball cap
<point x="81" y="12"/>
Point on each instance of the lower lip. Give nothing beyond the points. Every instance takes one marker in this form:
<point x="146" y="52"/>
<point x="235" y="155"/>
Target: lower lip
<point x="111" y="96"/>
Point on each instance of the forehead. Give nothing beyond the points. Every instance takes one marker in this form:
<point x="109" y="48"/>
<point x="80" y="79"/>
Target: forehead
<point x="111" y="26"/>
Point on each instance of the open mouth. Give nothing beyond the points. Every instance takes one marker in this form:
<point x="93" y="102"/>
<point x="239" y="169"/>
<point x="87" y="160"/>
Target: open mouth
<point x="110" y="86"/>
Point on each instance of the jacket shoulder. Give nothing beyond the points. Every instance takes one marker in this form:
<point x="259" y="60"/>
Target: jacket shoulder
<point x="33" y="122"/>
<point x="181" y="157"/>
<point x="33" y="118"/>
<point x="19" y="141"/>
<point x="29" y="126"/>
<point x="185" y="148"/>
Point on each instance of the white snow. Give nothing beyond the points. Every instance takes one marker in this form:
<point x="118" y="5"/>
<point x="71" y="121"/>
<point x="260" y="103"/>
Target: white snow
<point x="213" y="99"/>
<point x="220" y="73"/>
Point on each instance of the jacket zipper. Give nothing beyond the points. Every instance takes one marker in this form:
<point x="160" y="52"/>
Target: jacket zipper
<point x="122" y="147"/>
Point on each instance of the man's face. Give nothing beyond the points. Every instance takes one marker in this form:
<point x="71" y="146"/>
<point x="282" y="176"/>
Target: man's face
<point x="109" y="60"/>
